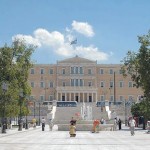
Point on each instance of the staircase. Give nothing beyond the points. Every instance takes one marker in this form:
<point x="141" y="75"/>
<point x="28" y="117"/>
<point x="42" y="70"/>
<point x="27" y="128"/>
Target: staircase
<point x="64" y="114"/>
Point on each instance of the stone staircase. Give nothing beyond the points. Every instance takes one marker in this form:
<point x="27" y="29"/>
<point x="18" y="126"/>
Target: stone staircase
<point x="64" y="114"/>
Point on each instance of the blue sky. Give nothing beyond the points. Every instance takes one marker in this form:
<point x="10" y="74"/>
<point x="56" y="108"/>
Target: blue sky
<point x="105" y="29"/>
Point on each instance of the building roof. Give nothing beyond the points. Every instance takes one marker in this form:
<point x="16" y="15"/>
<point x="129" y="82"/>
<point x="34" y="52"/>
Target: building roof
<point x="76" y="59"/>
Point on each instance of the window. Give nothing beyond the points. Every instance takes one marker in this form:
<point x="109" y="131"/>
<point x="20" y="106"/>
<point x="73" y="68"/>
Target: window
<point x="111" y="84"/>
<point x="111" y="98"/>
<point x="121" y="98"/>
<point x="51" y="71"/>
<point x="50" y="97"/>
<point x="32" y="71"/>
<point x="81" y="82"/>
<point x="76" y="70"/>
<point x="101" y="71"/>
<point x="42" y="98"/>
<point x="81" y="70"/>
<point x="89" y="83"/>
<point x="120" y="71"/>
<point x="72" y="70"/>
<point x="32" y="97"/>
<point x="121" y="84"/>
<point x="130" y="84"/>
<point x="89" y="71"/>
<point x="63" y="84"/>
<point x="42" y="71"/>
<point x="130" y="97"/>
<point x="32" y="84"/>
<point x="102" y="84"/>
<point x="76" y="82"/>
<point x="111" y="71"/>
<point x="42" y="84"/>
<point x="51" y="84"/>
<point x="63" y="71"/>
<point x="102" y="97"/>
<point x="72" y="82"/>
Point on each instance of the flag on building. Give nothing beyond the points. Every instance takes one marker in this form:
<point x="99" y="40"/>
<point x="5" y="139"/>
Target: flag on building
<point x="73" y="42"/>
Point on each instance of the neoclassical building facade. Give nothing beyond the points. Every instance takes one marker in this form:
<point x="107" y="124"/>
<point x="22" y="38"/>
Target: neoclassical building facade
<point x="82" y="80"/>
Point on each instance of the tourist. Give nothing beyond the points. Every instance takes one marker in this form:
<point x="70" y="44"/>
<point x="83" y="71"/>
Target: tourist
<point x="132" y="124"/>
<point x="148" y="126"/>
<point x="43" y="123"/>
<point x="102" y="121"/>
<point x="73" y="121"/>
<point x="72" y="131"/>
<point x="34" y="123"/>
<point x="50" y="124"/>
<point x="96" y="124"/>
<point x="115" y="124"/>
<point x="119" y="123"/>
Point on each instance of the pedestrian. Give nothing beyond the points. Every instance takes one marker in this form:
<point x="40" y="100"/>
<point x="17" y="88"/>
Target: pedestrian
<point x="115" y="124"/>
<point x="148" y="126"/>
<point x="132" y="124"/>
<point x="43" y="123"/>
<point x="50" y="124"/>
<point x="72" y="128"/>
<point x="102" y="121"/>
<point x="119" y="123"/>
<point x="73" y="121"/>
<point x="34" y="123"/>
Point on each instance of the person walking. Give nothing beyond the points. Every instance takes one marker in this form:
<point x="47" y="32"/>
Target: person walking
<point x="43" y="123"/>
<point x="34" y="123"/>
<point x="115" y="124"/>
<point x="119" y="123"/>
<point x="132" y="124"/>
<point x="50" y="124"/>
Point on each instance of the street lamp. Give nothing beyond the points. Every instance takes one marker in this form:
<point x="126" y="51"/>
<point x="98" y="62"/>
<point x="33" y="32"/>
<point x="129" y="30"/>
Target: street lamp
<point x="27" y="101"/>
<point x="20" y="114"/>
<point x="39" y="112"/>
<point x="125" y="113"/>
<point x="4" y="88"/>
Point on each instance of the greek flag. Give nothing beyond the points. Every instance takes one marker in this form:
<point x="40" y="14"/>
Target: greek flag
<point x="73" y="42"/>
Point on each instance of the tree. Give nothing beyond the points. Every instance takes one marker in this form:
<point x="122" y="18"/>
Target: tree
<point x="15" y="62"/>
<point x="137" y="64"/>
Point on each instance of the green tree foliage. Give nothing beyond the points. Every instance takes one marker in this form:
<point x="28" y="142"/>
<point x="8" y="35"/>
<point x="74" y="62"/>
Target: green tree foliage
<point x="15" y="62"/>
<point x="137" y="64"/>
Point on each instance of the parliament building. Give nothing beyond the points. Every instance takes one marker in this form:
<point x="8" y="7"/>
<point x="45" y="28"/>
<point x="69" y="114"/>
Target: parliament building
<point x="82" y="80"/>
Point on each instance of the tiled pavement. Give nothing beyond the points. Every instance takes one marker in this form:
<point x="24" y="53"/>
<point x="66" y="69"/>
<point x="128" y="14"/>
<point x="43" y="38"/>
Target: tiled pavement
<point x="35" y="139"/>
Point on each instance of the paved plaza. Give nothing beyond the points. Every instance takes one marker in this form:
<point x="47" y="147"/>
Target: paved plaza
<point x="35" y="139"/>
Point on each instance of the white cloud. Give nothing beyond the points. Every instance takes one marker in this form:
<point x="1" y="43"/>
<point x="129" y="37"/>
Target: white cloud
<point x="59" y="44"/>
<point x="83" y="28"/>
<point x="28" y="39"/>
<point x="92" y="53"/>
<point x="54" y="38"/>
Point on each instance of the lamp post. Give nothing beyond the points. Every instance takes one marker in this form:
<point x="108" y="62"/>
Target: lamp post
<point x="26" y="127"/>
<point x="20" y="113"/>
<point x="4" y="88"/>
<point x="114" y="88"/>
<point x="125" y="113"/>
<point x="39" y="113"/>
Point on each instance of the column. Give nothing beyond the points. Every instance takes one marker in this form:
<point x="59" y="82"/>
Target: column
<point x="87" y="97"/>
<point x="78" y="97"/>
<point x="92" y="97"/>
<point x="57" y="96"/>
<point x="69" y="96"/>
<point x="83" y="96"/>
<point x="61" y="96"/>
<point x="65" y="96"/>
<point x="96" y="97"/>
<point x="74" y="96"/>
